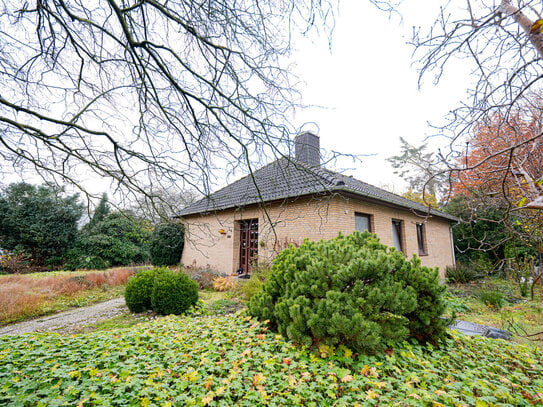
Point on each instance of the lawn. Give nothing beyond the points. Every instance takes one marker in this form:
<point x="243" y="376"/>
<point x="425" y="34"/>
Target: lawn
<point x="26" y="296"/>
<point x="231" y="359"/>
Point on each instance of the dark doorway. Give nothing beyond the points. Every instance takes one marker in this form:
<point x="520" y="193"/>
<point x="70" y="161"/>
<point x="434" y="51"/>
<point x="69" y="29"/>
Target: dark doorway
<point x="248" y="243"/>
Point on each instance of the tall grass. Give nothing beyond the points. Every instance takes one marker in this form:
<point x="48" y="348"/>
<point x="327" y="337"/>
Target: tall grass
<point x="22" y="296"/>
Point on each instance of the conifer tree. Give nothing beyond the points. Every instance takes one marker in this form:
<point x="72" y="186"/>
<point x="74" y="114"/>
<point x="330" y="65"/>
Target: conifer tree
<point x="351" y="290"/>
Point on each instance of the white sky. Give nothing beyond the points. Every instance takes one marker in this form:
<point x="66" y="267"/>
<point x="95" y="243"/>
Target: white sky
<point x="369" y="87"/>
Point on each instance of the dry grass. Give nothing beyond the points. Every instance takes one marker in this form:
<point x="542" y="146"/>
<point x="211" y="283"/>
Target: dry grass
<point x="225" y="283"/>
<point x="23" y="296"/>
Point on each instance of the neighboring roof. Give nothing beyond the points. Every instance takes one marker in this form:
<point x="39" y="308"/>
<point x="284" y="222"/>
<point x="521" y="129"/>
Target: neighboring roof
<point x="289" y="178"/>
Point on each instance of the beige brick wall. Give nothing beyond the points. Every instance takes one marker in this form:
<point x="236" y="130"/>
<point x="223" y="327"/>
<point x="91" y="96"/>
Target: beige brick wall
<point x="314" y="218"/>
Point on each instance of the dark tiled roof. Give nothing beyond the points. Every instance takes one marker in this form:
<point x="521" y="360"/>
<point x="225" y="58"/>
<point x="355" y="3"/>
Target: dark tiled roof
<point x="288" y="178"/>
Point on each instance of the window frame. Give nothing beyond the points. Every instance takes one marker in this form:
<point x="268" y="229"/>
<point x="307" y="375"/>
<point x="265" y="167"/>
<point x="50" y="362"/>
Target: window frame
<point x="421" y="239"/>
<point x="398" y="225"/>
<point x="365" y="215"/>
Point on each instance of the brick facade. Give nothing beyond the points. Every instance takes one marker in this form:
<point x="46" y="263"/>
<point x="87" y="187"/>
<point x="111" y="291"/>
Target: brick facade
<point x="214" y="239"/>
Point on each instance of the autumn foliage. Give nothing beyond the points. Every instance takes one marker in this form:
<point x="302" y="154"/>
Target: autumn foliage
<point x="504" y="157"/>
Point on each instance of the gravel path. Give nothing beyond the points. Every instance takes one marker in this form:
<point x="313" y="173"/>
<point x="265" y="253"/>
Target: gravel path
<point x="69" y="320"/>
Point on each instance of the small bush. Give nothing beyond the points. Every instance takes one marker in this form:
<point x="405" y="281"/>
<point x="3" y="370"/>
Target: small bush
<point x="351" y="290"/>
<point x="139" y="290"/>
<point x="166" y="244"/>
<point x="203" y="276"/>
<point x="173" y="293"/>
<point x="491" y="298"/>
<point x="462" y="274"/>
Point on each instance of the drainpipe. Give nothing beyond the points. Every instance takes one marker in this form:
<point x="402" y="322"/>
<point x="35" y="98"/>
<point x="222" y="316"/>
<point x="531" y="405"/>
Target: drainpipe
<point x="452" y="246"/>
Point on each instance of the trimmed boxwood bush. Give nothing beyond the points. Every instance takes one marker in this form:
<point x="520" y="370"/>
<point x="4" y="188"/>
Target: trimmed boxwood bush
<point x="139" y="289"/>
<point x="173" y="293"/>
<point x="166" y="245"/>
<point x="351" y="290"/>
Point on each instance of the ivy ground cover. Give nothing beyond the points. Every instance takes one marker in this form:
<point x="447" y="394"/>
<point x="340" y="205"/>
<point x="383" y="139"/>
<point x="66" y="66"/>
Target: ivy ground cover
<point x="232" y="360"/>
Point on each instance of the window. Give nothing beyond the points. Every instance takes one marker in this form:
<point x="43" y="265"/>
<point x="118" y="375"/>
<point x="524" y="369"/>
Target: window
<point x="421" y="239"/>
<point x="397" y="235"/>
<point x="362" y="222"/>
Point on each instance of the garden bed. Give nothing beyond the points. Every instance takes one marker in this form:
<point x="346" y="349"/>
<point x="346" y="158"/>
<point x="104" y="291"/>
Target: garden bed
<point x="234" y="360"/>
<point x="516" y="314"/>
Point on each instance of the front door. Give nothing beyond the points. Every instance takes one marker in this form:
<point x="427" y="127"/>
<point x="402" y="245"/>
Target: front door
<point x="248" y="243"/>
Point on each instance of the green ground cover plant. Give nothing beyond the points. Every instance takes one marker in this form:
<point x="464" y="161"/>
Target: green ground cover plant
<point x="234" y="360"/>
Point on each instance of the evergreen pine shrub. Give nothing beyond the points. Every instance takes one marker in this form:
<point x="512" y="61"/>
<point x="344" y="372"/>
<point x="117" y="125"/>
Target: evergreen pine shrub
<point x="139" y="289"/>
<point x="351" y="290"/>
<point x="166" y="245"/>
<point x="173" y="293"/>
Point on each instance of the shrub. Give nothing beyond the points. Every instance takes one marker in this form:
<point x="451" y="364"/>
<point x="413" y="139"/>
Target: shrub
<point x="351" y="290"/>
<point x="461" y="274"/>
<point x="139" y="290"/>
<point x="203" y="276"/>
<point x="173" y="293"/>
<point x="166" y="244"/>
<point x="14" y="263"/>
<point x="117" y="240"/>
<point x="491" y="298"/>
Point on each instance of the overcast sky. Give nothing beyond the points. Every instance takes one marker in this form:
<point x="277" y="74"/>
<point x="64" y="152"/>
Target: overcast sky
<point x="370" y="88"/>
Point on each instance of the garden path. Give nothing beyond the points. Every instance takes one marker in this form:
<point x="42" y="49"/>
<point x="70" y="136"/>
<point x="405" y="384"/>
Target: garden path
<point x="69" y="320"/>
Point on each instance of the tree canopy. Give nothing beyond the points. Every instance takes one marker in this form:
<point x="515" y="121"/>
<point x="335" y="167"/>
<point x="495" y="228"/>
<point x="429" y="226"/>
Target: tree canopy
<point x="146" y="93"/>
<point x="38" y="221"/>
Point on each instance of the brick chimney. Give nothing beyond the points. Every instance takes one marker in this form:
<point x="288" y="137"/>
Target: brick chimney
<point x="307" y="147"/>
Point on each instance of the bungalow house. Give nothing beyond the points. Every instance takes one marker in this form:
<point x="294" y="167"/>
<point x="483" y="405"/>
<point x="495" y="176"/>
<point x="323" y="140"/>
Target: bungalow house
<point x="292" y="199"/>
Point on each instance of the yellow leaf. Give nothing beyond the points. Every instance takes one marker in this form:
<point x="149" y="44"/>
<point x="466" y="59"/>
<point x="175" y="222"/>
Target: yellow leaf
<point x="481" y="403"/>
<point x="208" y="398"/>
<point x="380" y="385"/>
<point x="537" y="27"/>
<point x="369" y="371"/>
<point x="258" y="378"/>
<point x="208" y="383"/>
<point x="370" y="395"/>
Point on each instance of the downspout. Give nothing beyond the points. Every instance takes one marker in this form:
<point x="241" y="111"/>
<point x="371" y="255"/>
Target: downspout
<point x="452" y="246"/>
